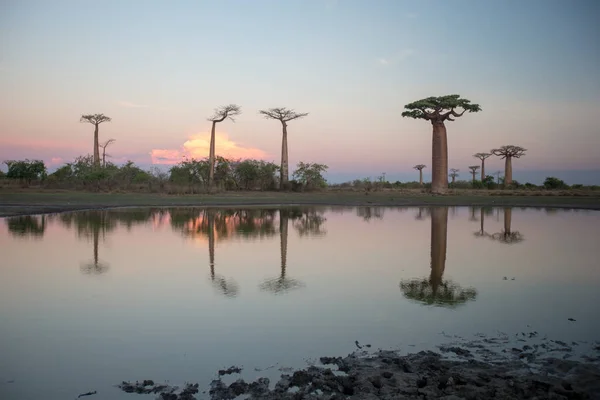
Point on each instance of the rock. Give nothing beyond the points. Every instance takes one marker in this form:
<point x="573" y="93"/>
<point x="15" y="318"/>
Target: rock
<point x="230" y="370"/>
<point x="387" y="374"/>
<point x="421" y="382"/>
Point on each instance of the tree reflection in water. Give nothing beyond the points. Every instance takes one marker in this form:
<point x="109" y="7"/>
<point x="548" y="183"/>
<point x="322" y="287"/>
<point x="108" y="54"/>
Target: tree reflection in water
<point x="33" y="226"/>
<point x="435" y="290"/>
<point x="508" y="236"/>
<point x="283" y="283"/>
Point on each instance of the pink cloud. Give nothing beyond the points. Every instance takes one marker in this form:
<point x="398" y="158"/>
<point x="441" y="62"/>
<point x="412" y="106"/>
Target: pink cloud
<point x="198" y="146"/>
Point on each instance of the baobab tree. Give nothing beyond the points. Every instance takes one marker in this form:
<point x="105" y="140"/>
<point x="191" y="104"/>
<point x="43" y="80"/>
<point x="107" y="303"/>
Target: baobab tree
<point x="438" y="110"/>
<point x="482" y="157"/>
<point x="508" y="152"/>
<point x="497" y="173"/>
<point x="104" y="146"/>
<point x="420" y="167"/>
<point x="284" y="116"/>
<point x="222" y="113"/>
<point x="95" y="119"/>
<point x="474" y="169"/>
<point x="453" y="174"/>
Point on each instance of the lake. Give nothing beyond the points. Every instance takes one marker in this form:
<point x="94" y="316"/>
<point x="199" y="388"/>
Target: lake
<point x="89" y="299"/>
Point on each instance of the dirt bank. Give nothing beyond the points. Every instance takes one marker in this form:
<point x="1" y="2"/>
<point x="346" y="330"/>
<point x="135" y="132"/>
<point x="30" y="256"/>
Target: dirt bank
<point x="22" y="203"/>
<point x="521" y="367"/>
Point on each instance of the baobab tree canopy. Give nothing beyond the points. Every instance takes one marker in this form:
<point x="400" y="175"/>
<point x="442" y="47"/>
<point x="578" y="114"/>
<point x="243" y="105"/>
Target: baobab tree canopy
<point x="482" y="156"/>
<point x="509" y="151"/>
<point x="282" y="114"/>
<point x="222" y="113"/>
<point x="95" y="119"/>
<point x="439" y="109"/>
<point x="420" y="166"/>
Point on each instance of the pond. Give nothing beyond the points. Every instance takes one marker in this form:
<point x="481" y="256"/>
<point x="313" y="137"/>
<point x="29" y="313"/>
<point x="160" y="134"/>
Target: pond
<point x="89" y="299"/>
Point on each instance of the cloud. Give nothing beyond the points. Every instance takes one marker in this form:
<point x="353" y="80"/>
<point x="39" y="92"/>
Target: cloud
<point x="399" y="57"/>
<point x="128" y="104"/>
<point x="198" y="146"/>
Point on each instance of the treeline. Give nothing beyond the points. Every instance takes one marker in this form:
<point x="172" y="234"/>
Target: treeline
<point x="188" y="176"/>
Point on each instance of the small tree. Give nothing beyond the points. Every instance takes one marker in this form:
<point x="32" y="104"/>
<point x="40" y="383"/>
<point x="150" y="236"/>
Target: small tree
<point x="438" y="110"/>
<point x="555" y="183"/>
<point x="454" y="174"/>
<point x="508" y="152"/>
<point x="482" y="157"/>
<point x="474" y="169"/>
<point x="284" y="116"/>
<point x="104" y="146"/>
<point x="221" y="114"/>
<point x="26" y="170"/>
<point x="310" y="175"/>
<point x="420" y="167"/>
<point x="95" y="119"/>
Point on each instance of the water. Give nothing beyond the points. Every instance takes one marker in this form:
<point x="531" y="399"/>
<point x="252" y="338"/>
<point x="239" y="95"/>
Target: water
<point x="93" y="298"/>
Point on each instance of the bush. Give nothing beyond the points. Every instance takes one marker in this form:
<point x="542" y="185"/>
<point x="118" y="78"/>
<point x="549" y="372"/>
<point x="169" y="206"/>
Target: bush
<point x="477" y="185"/>
<point x="310" y="175"/>
<point x="26" y="170"/>
<point x="553" y="183"/>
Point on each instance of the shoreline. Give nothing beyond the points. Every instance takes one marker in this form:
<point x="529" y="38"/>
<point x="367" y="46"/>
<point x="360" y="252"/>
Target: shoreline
<point x="30" y="203"/>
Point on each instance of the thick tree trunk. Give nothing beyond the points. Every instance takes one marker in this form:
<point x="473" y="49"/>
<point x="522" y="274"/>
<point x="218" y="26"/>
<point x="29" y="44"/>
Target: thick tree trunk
<point x="453" y="178"/>
<point x="439" y="158"/>
<point x="96" y="147"/>
<point x="439" y="234"/>
<point x="508" y="171"/>
<point x="474" y="172"/>
<point x="482" y="170"/>
<point x="211" y="158"/>
<point x="283" y="234"/>
<point x="283" y="177"/>
<point x="421" y="177"/>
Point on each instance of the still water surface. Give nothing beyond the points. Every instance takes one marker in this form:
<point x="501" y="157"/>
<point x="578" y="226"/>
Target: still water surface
<point x="89" y="299"/>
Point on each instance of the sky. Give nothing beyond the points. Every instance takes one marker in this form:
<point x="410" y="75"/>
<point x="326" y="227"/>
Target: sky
<point x="159" y="69"/>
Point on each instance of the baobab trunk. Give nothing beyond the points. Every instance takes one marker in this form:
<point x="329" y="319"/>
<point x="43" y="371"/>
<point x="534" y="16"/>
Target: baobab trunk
<point x="439" y="233"/>
<point x="211" y="158"/>
<point x="439" y="158"/>
<point x="508" y="171"/>
<point x="283" y="178"/>
<point x="482" y="170"/>
<point x="96" y="147"/>
<point x="283" y="233"/>
<point x="421" y="177"/>
<point x="474" y="173"/>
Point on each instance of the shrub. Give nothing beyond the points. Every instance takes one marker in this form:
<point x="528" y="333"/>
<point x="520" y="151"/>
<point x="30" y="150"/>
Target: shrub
<point x="553" y="183"/>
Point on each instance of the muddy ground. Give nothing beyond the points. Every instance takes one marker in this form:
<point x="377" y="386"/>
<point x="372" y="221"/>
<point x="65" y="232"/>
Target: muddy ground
<point x="501" y="367"/>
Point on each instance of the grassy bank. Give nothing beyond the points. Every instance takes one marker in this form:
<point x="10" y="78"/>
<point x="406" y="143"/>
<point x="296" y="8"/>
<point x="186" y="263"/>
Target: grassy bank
<point x="32" y="202"/>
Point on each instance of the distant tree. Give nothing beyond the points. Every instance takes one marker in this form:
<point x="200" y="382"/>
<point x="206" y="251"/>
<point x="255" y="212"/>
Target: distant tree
<point x="311" y="175"/>
<point x="25" y="170"/>
<point x="454" y="174"/>
<point x="284" y="116"/>
<point x="420" y="167"/>
<point x="554" y="183"/>
<point x="95" y="119"/>
<point x="104" y="146"/>
<point x="482" y="157"/>
<point x="508" y="153"/>
<point x="497" y="173"/>
<point x="438" y="110"/>
<point x="474" y="169"/>
<point x="221" y="114"/>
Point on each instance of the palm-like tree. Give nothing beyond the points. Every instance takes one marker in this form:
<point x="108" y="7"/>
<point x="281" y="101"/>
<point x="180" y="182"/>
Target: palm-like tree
<point x="474" y="169"/>
<point x="419" y="167"/>
<point x="508" y="153"/>
<point x="229" y="111"/>
<point x="435" y="290"/>
<point x="482" y="157"/>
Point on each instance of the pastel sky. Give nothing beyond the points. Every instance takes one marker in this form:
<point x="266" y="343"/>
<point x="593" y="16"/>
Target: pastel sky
<point x="160" y="68"/>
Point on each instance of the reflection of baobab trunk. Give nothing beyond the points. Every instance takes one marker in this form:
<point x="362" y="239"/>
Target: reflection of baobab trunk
<point x="283" y="234"/>
<point x="507" y="220"/>
<point x="481" y="217"/>
<point x="96" y="242"/>
<point x="229" y="289"/>
<point x="439" y="233"/>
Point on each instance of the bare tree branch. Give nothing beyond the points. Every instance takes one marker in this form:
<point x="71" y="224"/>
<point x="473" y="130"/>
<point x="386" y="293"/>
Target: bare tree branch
<point x="222" y="113"/>
<point x="95" y="119"/>
<point x="509" y="151"/>
<point x="420" y="166"/>
<point x="107" y="143"/>
<point x="282" y="114"/>
<point x="482" y="156"/>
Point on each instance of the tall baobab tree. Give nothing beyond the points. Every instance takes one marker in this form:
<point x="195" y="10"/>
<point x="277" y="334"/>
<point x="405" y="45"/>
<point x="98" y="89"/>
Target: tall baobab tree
<point x="508" y="152"/>
<point x="420" y="167"/>
<point x="453" y="174"/>
<point x="284" y="116"/>
<point x="435" y="290"/>
<point x="282" y="284"/>
<point x="104" y="146"/>
<point x="482" y="157"/>
<point x="222" y="113"/>
<point x="95" y="119"/>
<point x="438" y="110"/>
<point x="474" y="169"/>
